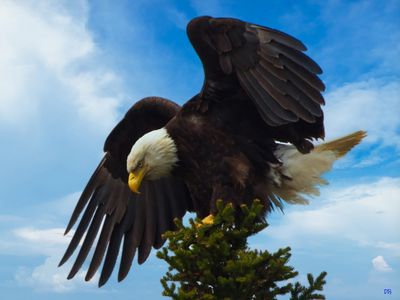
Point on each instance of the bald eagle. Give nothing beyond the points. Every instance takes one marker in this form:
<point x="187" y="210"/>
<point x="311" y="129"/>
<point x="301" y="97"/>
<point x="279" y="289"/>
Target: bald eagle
<point x="246" y="135"/>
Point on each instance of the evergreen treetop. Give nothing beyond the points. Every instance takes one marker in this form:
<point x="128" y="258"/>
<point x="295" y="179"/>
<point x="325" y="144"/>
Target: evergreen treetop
<point x="214" y="262"/>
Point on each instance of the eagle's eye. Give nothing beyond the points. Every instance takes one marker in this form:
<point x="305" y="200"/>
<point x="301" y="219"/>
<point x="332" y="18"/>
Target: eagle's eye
<point x="139" y="165"/>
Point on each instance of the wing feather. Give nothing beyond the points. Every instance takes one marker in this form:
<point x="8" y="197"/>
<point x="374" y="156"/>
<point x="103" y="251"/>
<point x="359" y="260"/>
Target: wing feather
<point x="164" y="220"/>
<point x="130" y="243"/>
<point x="112" y="254"/>
<point x="267" y="64"/>
<point x="309" y="77"/>
<point x="281" y="96"/>
<point x="83" y="224"/>
<point x="266" y="35"/>
<point x="95" y="180"/>
<point x="150" y="227"/>
<point x="100" y="247"/>
<point x="278" y="77"/>
<point x="112" y="212"/>
<point x="296" y="56"/>
<point x="264" y="110"/>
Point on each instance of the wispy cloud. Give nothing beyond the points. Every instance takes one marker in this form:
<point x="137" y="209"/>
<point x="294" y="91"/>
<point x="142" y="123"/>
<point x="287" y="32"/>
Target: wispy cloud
<point x="42" y="239"/>
<point x="178" y="17"/>
<point x="366" y="214"/>
<point x="370" y="105"/>
<point x="361" y="39"/>
<point x="393" y="247"/>
<point x="46" y="241"/>
<point x="48" y="58"/>
<point x="39" y="241"/>
<point x="48" y="277"/>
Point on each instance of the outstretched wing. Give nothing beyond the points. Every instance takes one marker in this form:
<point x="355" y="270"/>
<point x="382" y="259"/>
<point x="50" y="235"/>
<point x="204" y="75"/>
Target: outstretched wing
<point x="267" y="64"/>
<point x="112" y="213"/>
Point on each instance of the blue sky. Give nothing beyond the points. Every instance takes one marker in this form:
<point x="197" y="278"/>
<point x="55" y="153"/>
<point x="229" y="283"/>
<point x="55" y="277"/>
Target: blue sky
<point x="70" y="69"/>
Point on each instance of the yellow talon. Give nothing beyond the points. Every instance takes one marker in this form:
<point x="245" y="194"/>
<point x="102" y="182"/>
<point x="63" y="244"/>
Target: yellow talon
<point x="209" y="220"/>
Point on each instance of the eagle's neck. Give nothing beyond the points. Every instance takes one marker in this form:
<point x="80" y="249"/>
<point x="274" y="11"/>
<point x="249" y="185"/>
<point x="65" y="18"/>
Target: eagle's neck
<point x="161" y="153"/>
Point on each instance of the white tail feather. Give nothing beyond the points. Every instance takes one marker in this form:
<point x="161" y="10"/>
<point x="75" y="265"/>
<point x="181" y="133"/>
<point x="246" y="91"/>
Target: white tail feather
<point x="300" y="174"/>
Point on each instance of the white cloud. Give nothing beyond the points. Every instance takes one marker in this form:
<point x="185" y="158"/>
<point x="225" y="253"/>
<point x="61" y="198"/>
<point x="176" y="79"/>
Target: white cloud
<point x="361" y="39"/>
<point x="394" y="247"/>
<point x="371" y="105"/>
<point x="47" y="240"/>
<point x="34" y="241"/>
<point x="367" y="214"/>
<point x="47" y="54"/>
<point x="380" y="264"/>
<point x="362" y="61"/>
<point x="42" y="235"/>
<point x="52" y="243"/>
<point x="48" y="277"/>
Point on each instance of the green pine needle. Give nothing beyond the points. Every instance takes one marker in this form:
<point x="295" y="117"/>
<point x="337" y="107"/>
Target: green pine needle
<point x="214" y="262"/>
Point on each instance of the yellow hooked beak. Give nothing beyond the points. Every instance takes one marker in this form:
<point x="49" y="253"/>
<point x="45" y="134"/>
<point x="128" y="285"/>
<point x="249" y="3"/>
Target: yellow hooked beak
<point x="135" y="179"/>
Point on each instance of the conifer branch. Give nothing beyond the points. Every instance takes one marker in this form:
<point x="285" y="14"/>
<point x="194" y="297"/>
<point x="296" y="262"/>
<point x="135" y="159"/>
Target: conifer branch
<point x="214" y="262"/>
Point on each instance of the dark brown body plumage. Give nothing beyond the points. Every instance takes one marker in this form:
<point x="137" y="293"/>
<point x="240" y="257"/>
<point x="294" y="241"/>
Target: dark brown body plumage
<point x="234" y="159"/>
<point x="259" y="88"/>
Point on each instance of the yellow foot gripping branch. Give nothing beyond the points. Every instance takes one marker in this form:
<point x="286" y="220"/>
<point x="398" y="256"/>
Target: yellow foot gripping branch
<point x="209" y="220"/>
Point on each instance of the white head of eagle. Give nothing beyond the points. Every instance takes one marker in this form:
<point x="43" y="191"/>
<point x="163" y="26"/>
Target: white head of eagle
<point x="152" y="157"/>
